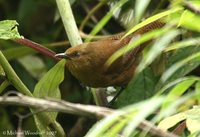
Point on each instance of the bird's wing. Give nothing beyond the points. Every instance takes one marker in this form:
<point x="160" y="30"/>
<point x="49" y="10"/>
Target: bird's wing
<point x="127" y="60"/>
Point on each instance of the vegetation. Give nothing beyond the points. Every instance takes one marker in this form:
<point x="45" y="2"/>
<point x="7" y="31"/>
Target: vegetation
<point x="39" y="97"/>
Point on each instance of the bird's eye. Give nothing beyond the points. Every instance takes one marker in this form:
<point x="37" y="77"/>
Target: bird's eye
<point x="77" y="54"/>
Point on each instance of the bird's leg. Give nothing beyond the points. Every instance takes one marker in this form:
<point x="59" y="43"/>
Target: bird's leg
<point x="117" y="95"/>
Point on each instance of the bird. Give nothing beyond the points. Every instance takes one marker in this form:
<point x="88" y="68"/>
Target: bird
<point x="87" y="61"/>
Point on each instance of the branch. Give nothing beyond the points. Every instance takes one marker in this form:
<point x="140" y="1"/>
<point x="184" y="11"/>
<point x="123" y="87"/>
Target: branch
<point x="72" y="108"/>
<point x="56" y="105"/>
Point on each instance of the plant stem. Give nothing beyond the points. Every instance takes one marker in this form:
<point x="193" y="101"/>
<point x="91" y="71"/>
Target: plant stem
<point x="4" y="85"/>
<point x="41" y="49"/>
<point x="12" y="76"/>
<point x="69" y="22"/>
<point x="72" y="30"/>
<point x="99" y="95"/>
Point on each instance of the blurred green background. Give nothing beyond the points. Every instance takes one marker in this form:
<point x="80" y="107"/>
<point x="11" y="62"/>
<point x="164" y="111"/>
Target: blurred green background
<point x="39" y="21"/>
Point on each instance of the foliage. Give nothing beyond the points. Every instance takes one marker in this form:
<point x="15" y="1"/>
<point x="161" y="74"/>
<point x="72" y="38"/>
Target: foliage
<point x="164" y="89"/>
<point x="8" y="30"/>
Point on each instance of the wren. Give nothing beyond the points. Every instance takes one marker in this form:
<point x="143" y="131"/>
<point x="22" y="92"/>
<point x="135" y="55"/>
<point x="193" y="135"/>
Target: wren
<point x="87" y="61"/>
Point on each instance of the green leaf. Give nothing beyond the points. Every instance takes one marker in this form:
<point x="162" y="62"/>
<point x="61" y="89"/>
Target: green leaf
<point x="190" y="21"/>
<point x="135" y="43"/>
<point x="179" y="55"/>
<point x="105" y="19"/>
<point x="176" y="92"/>
<point x="116" y="128"/>
<point x="152" y="19"/>
<point x="171" y="84"/>
<point x="193" y="125"/>
<point x="145" y="110"/>
<point x="197" y="90"/>
<point x="139" y="88"/>
<point x="100" y="127"/>
<point x="183" y="44"/>
<point x="174" y="107"/>
<point x="168" y="73"/>
<point x="140" y="7"/>
<point x="192" y="117"/>
<point x="48" y="86"/>
<point x="156" y="49"/>
<point x="16" y="52"/>
<point x="8" y="30"/>
<point x="171" y="121"/>
<point x="37" y="71"/>
<point x="128" y="117"/>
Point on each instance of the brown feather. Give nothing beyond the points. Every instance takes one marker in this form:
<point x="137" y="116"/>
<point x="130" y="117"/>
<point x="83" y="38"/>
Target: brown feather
<point x="88" y="59"/>
<point x="127" y="60"/>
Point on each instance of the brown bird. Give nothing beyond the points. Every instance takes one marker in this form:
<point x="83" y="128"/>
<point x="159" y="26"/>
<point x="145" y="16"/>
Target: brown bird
<point x="87" y="61"/>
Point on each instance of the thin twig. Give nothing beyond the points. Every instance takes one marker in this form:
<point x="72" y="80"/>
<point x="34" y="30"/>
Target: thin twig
<point x="72" y="108"/>
<point x="96" y="8"/>
<point x="20" y="132"/>
<point x="21" y="117"/>
<point x="87" y="9"/>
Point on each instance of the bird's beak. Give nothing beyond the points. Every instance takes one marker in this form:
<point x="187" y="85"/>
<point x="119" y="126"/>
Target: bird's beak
<point x="62" y="55"/>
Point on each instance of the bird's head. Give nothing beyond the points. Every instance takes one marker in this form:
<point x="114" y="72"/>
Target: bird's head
<point x="78" y="57"/>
